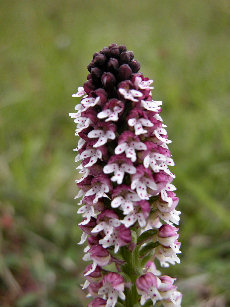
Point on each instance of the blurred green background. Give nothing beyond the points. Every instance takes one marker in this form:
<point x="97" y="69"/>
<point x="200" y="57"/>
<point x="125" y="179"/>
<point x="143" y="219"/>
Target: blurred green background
<point x="45" y="48"/>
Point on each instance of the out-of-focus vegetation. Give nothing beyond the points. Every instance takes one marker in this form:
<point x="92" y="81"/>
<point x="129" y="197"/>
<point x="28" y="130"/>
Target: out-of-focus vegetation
<point x="45" y="48"/>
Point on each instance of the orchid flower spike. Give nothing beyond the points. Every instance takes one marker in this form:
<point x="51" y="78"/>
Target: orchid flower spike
<point x="127" y="199"/>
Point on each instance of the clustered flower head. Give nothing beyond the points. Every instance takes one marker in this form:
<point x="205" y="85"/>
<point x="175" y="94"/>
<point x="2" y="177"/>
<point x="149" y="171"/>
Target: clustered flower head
<point x="128" y="202"/>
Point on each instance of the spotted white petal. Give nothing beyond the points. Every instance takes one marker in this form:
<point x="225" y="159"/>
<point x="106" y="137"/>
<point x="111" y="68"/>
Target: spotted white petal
<point x="110" y="168"/>
<point x="110" y="135"/>
<point x="95" y="134"/>
<point x="120" y="148"/>
<point x="128" y="168"/>
<point x="104" y="114"/>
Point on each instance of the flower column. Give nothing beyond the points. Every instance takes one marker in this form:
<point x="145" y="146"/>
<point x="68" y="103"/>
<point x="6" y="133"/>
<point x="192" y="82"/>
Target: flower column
<point x="128" y="200"/>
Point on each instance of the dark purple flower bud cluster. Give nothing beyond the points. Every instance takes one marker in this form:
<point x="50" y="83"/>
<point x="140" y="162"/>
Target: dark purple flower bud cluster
<point x="128" y="200"/>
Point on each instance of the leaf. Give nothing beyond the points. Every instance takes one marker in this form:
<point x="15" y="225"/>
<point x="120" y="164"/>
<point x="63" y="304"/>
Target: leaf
<point x="148" y="248"/>
<point x="147" y="235"/>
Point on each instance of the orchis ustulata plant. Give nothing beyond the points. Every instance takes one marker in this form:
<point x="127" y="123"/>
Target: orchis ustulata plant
<point x="128" y="200"/>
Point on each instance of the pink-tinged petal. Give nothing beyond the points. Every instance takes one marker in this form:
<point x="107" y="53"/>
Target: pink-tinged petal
<point x="97" y="302"/>
<point x="100" y="255"/>
<point x="115" y="280"/>
<point x="106" y="215"/>
<point x="124" y="235"/>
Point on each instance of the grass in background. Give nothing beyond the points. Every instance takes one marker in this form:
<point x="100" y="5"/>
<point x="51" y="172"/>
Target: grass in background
<point x="45" y="48"/>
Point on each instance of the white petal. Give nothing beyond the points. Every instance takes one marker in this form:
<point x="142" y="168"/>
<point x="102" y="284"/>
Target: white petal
<point x="98" y="228"/>
<point x="101" y="141"/>
<point x="139" y="129"/>
<point x="80" y="144"/>
<point x="79" y="194"/>
<point x="129" y="220"/>
<point x="141" y="220"/>
<point x="86" y="284"/>
<point x="146" y="122"/>
<point x="127" y="207"/>
<point x="130" y="153"/>
<point x="118" y="176"/>
<point x="136" y="93"/>
<point x="92" y="191"/>
<point x="128" y="168"/>
<point x="104" y="113"/>
<point x="115" y="222"/>
<point x="132" y="122"/>
<point x="142" y="190"/>
<point x="146" y="161"/>
<point x="84" y="237"/>
<point x="117" y="201"/>
<point x="87" y="153"/>
<point x="112" y="117"/>
<point x="110" y="168"/>
<point x="94" y="265"/>
<point x="95" y="134"/>
<point x="140" y="146"/>
<point x="132" y="197"/>
<point x="120" y="148"/>
<point x="80" y="92"/>
<point x="110" y="135"/>
<point x="92" y="161"/>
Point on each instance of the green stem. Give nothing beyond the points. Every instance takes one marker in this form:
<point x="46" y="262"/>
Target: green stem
<point x="133" y="270"/>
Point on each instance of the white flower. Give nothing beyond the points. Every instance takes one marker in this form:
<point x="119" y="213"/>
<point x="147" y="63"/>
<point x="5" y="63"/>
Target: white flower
<point x="99" y="190"/>
<point x="134" y="216"/>
<point x="109" y="114"/>
<point x="119" y="171"/>
<point x="89" y="102"/>
<point x="158" y="133"/>
<point x="102" y="136"/>
<point x="143" y="84"/>
<point x="138" y="125"/>
<point x="93" y="154"/>
<point x="130" y="149"/>
<point x="140" y="183"/>
<point x="87" y="212"/>
<point x="158" y="162"/>
<point x="82" y="123"/>
<point x="130" y="94"/>
<point x="153" y="105"/>
<point x="126" y="202"/>
<point x="80" y="92"/>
